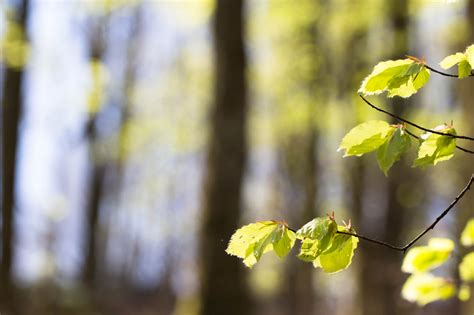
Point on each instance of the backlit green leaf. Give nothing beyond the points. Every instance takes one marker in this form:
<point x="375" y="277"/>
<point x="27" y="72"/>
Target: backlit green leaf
<point x="392" y="149"/>
<point x="339" y="256"/>
<point x="467" y="235"/>
<point x="464" y="292"/>
<point x="466" y="268"/>
<point x="317" y="236"/>
<point x="382" y="74"/>
<point x="464" y="69"/>
<point x="436" y="148"/>
<point x="465" y="62"/>
<point x="421" y="78"/>
<point x="424" y="288"/>
<point x="366" y="137"/>
<point x="424" y="258"/>
<point x="253" y="240"/>
<point x="285" y="243"/>
<point x="470" y="55"/>
<point x="452" y="60"/>
<point x="398" y="77"/>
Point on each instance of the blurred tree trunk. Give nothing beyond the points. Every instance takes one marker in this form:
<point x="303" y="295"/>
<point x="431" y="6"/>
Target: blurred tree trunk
<point x="297" y="160"/>
<point x="96" y="175"/>
<point x="222" y="281"/>
<point x="380" y="277"/>
<point x="387" y="273"/>
<point x="11" y="116"/>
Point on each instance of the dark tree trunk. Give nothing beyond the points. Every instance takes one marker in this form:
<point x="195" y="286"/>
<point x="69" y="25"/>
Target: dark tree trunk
<point x="11" y="116"/>
<point x="387" y="277"/>
<point x="298" y="162"/>
<point x="380" y="277"/>
<point x="96" y="179"/>
<point x="222" y="280"/>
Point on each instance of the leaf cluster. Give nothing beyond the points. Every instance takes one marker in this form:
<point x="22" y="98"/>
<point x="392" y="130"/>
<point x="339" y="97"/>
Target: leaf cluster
<point x="392" y="141"/>
<point x="320" y="243"/>
<point x="423" y="287"/>
<point x="464" y="61"/>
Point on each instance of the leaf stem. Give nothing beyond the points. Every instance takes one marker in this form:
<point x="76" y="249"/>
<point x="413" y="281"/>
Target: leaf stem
<point x="426" y="230"/>
<point x="420" y="235"/>
<point x="444" y="73"/>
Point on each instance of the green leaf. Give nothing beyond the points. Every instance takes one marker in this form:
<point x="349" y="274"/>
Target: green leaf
<point x="398" y="77"/>
<point x="339" y="256"/>
<point x="424" y="258"/>
<point x="464" y="292"/>
<point x="467" y="235"/>
<point x="382" y="74"/>
<point x="465" y="62"/>
<point x="392" y="149"/>
<point x="366" y="137"/>
<point x="425" y="288"/>
<point x="251" y="241"/>
<point x="464" y="69"/>
<point x="470" y="55"/>
<point x="436" y="148"/>
<point x="285" y="243"/>
<point x="317" y="236"/>
<point x="452" y="60"/>
<point x="421" y="78"/>
<point x="466" y="268"/>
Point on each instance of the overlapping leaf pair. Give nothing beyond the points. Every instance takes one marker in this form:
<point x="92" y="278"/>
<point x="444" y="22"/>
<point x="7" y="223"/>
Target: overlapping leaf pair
<point x="391" y="141"/>
<point x="423" y="287"/>
<point x="320" y="243"/>
<point x="403" y="77"/>
<point x="465" y="62"/>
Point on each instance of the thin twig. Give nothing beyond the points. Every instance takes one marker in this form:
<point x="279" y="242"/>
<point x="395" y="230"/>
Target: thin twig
<point x="458" y="147"/>
<point x="365" y="238"/>
<point x="430" y="227"/>
<point x="444" y="73"/>
<point x="413" y="124"/>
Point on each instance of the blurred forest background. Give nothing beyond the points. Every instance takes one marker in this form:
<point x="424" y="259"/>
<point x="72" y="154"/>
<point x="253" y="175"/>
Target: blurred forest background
<point x="138" y="135"/>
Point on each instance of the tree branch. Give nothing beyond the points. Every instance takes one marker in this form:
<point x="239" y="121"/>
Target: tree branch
<point x="444" y="73"/>
<point x="413" y="124"/>
<point x="430" y="227"/>
<point x="458" y="147"/>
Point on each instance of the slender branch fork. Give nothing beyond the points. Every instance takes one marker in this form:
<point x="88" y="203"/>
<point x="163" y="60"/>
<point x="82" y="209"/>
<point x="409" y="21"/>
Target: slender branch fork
<point x="430" y="227"/>
<point x="450" y="206"/>
<point x="418" y="126"/>
<point x="413" y="124"/>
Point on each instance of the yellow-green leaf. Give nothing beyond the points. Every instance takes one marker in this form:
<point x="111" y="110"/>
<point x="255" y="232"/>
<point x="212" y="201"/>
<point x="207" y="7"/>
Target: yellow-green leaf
<point x="382" y="74"/>
<point x="436" y="148"/>
<point x="366" y="137"/>
<point x="464" y="292"/>
<point x="398" y="77"/>
<point x="392" y="149"/>
<point x="464" y="69"/>
<point x="339" y="256"/>
<point x="470" y="55"/>
<point x="466" y="268"/>
<point x="424" y="258"/>
<point x="251" y="241"/>
<point x="467" y="235"/>
<point x="465" y="62"/>
<point x="424" y="288"/>
<point x="452" y="60"/>
<point x="317" y="236"/>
